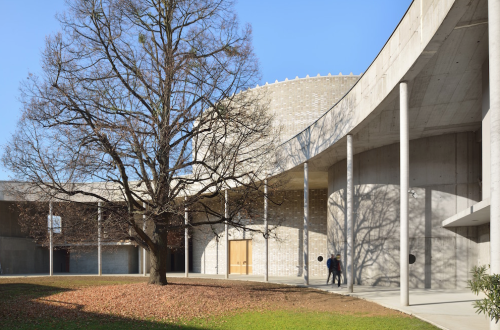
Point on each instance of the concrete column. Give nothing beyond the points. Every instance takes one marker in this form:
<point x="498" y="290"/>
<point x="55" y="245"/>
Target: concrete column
<point x="99" y="243"/>
<point x="216" y="254"/>
<point x="186" y="242"/>
<point x="404" y="186"/>
<point x="144" y="254"/>
<point x="226" y="234"/>
<point x="266" y="236"/>
<point x="485" y="133"/>
<point x="350" y="222"/>
<point x="51" y="241"/>
<point x="306" y="223"/>
<point x="494" y="59"/>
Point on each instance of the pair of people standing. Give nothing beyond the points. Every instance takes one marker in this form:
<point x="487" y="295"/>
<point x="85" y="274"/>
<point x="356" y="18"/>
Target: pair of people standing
<point x="334" y="268"/>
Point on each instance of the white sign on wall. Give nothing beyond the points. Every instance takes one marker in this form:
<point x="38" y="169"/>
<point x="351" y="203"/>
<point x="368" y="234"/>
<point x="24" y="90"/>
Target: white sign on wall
<point x="56" y="224"/>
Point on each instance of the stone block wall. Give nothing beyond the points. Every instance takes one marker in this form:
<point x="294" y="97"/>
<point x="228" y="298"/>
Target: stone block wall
<point x="298" y="102"/>
<point x="285" y="249"/>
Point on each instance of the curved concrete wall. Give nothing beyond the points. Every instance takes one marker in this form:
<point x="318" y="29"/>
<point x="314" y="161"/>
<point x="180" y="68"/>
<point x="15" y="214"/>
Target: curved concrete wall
<point x="444" y="174"/>
<point x="419" y="35"/>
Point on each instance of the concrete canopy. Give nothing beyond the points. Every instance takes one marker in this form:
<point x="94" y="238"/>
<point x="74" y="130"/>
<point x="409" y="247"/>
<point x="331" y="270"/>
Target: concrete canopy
<point x="476" y="215"/>
<point x="439" y="47"/>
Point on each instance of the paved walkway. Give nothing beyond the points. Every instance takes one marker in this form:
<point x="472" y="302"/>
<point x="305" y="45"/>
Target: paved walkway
<point x="446" y="309"/>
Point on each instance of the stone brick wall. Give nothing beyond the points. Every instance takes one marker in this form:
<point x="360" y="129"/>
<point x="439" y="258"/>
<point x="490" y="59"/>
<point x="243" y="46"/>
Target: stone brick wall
<point x="285" y="250"/>
<point x="297" y="103"/>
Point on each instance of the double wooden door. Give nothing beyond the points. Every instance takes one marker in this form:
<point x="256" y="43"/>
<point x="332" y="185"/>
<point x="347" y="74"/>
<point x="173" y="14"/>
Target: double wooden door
<point x="240" y="256"/>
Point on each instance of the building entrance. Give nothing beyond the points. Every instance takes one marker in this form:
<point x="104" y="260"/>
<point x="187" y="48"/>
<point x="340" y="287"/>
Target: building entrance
<point x="240" y="257"/>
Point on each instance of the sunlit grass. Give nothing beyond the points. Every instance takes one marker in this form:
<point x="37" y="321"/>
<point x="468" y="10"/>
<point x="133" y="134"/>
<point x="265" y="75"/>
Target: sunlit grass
<point x="281" y="318"/>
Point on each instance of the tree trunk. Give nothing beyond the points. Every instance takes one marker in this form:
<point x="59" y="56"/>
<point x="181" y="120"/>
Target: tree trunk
<point x="158" y="259"/>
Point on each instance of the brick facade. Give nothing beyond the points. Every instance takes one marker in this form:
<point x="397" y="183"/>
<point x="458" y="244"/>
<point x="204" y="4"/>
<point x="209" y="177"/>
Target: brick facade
<point x="285" y="250"/>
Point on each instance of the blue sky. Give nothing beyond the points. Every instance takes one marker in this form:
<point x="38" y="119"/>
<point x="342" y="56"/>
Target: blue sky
<point x="291" y="38"/>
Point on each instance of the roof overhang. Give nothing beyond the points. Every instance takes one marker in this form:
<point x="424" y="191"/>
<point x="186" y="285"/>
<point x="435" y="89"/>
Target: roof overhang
<point x="476" y="215"/>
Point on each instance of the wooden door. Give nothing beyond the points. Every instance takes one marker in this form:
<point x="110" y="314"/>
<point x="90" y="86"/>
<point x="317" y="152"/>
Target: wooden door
<point x="240" y="257"/>
<point x="234" y="257"/>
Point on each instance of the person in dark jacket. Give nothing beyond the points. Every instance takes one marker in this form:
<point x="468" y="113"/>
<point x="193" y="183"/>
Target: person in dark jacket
<point x="337" y="268"/>
<point x="329" y="264"/>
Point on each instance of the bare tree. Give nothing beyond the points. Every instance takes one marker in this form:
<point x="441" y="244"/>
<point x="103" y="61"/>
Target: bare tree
<point x="143" y="106"/>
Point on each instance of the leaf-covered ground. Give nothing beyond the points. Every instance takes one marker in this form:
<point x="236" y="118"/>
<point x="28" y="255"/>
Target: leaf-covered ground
<point x="93" y="301"/>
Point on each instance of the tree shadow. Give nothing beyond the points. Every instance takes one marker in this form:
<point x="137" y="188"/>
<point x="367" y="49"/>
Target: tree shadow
<point x="11" y="291"/>
<point x="377" y="232"/>
<point x="286" y="225"/>
<point x="26" y="306"/>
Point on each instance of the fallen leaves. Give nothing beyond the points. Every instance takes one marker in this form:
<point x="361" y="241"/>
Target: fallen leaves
<point x="181" y="299"/>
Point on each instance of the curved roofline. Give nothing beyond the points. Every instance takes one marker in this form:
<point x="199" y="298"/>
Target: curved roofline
<point x="361" y="76"/>
<point x="306" y="77"/>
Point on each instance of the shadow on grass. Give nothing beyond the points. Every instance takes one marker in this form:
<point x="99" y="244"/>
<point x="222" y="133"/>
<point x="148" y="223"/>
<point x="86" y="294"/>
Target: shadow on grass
<point x="20" y="308"/>
<point x="12" y="291"/>
<point x="26" y="305"/>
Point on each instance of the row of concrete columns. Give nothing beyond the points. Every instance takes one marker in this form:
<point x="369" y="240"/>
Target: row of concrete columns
<point x="494" y="81"/>
<point x="404" y="207"/>
<point x="226" y="232"/>
<point x="349" y="217"/>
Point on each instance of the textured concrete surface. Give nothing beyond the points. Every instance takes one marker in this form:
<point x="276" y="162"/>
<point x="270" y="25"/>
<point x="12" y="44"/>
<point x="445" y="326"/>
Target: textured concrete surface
<point x="443" y="174"/>
<point x="440" y="53"/>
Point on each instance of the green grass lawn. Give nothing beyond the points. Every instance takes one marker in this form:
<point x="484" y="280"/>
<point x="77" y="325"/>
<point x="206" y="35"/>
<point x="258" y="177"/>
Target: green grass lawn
<point x="286" y="318"/>
<point x="250" y="320"/>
